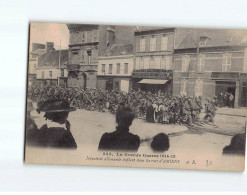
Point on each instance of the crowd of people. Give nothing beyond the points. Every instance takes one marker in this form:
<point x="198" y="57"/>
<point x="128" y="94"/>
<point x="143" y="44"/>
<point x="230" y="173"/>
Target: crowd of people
<point x="226" y="99"/>
<point x="162" y="108"/>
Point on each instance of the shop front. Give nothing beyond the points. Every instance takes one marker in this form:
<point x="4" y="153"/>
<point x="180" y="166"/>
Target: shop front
<point x="152" y="80"/>
<point x="234" y="83"/>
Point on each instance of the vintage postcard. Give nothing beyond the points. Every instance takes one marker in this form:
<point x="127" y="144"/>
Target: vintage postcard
<point x="136" y="96"/>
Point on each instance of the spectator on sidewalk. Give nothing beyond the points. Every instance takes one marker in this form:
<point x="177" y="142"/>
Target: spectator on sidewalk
<point x="121" y="139"/>
<point x="160" y="143"/>
<point x="237" y="145"/>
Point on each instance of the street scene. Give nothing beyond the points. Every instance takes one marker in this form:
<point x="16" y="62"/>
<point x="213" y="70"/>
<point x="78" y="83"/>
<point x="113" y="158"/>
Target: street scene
<point x="152" y="91"/>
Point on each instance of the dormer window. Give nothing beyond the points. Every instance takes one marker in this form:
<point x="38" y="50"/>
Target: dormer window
<point x="203" y="40"/>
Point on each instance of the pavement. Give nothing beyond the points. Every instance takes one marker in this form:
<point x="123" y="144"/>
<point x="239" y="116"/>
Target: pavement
<point x="187" y="144"/>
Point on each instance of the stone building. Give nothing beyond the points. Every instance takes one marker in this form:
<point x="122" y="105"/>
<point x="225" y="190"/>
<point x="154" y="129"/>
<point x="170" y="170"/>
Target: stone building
<point x="208" y="62"/>
<point x="115" y="68"/>
<point x="49" y="71"/>
<point x="153" y="50"/>
<point x="86" y="44"/>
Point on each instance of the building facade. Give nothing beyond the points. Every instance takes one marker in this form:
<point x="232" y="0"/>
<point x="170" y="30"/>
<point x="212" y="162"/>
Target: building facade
<point x="51" y="69"/>
<point x="86" y="44"/>
<point x="153" y="50"/>
<point x="114" y="72"/>
<point x="210" y="62"/>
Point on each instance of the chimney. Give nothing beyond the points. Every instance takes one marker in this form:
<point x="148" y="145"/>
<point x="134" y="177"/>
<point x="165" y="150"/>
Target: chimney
<point x="110" y="35"/>
<point x="49" y="46"/>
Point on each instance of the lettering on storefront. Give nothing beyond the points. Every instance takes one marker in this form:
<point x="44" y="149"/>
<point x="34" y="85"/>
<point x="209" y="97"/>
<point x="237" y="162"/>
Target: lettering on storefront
<point x="154" y="75"/>
<point x="225" y="75"/>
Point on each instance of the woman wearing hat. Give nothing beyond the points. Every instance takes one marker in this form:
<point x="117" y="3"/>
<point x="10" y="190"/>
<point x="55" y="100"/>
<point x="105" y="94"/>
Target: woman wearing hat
<point x="56" y="131"/>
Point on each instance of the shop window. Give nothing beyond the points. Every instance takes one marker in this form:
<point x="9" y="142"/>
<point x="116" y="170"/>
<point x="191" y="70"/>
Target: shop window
<point x="126" y="67"/>
<point x="142" y="44"/>
<point x="164" y="43"/>
<point x="152" y="44"/>
<point x="42" y="74"/>
<point x="226" y="63"/>
<point x="118" y="68"/>
<point x="183" y="90"/>
<point x="110" y="69"/>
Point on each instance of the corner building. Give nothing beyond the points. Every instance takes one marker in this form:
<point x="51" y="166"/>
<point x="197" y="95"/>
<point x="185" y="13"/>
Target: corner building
<point x="208" y="62"/>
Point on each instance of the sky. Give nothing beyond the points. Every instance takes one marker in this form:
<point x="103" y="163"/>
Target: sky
<point x="54" y="32"/>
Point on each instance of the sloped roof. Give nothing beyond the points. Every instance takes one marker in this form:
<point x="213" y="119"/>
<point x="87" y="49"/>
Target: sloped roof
<point x="39" y="52"/>
<point x="120" y="49"/>
<point x="51" y="59"/>
<point x="185" y="38"/>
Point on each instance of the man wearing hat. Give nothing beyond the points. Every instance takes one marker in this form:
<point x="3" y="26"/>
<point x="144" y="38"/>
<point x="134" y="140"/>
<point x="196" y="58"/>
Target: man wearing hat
<point x="121" y="139"/>
<point x="56" y="131"/>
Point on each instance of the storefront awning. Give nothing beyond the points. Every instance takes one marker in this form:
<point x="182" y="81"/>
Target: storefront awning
<point x="153" y="81"/>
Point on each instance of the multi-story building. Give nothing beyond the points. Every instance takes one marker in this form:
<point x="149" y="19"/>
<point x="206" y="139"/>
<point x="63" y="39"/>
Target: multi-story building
<point x="208" y="62"/>
<point x="37" y="50"/>
<point x="52" y="68"/>
<point x="115" y="69"/>
<point x="86" y="44"/>
<point x="153" y="50"/>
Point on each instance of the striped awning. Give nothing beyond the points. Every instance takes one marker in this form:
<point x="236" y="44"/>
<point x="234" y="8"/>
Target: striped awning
<point x="153" y="81"/>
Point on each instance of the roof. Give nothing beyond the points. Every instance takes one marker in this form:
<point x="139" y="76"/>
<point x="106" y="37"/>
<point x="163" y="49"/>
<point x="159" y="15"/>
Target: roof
<point x="185" y="38"/>
<point x="39" y="52"/>
<point x="51" y="59"/>
<point x="120" y="49"/>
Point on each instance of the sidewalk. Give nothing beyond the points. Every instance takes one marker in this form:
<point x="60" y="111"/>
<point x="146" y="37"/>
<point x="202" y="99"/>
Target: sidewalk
<point x="241" y="112"/>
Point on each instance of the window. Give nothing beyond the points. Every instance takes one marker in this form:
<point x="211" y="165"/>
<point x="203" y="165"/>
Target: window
<point x="201" y="63"/>
<point x="103" y="68"/>
<point x="141" y="63"/>
<point x="110" y="69"/>
<point x="163" y="63"/>
<point x="164" y="43"/>
<point x="226" y="63"/>
<point x="50" y="74"/>
<point x="183" y="87"/>
<point x="42" y="74"/>
<point x="168" y="67"/>
<point x="126" y="68"/>
<point x="198" y="87"/>
<point x="185" y="63"/>
<point x="75" y="57"/>
<point x="137" y="64"/>
<point x="152" y="44"/>
<point x="89" y="55"/>
<point x="142" y="44"/>
<point x="152" y="63"/>
<point x="62" y="72"/>
<point x="146" y="63"/>
<point x="118" y="68"/>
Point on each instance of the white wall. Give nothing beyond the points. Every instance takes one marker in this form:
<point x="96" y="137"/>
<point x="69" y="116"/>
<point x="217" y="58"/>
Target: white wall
<point x="114" y="61"/>
<point x="55" y="73"/>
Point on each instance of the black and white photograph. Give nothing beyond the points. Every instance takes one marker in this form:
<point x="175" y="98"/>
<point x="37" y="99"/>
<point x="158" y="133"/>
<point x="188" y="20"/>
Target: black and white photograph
<point x="136" y="96"/>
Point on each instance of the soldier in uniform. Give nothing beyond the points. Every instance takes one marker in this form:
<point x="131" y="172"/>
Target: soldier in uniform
<point x="210" y="109"/>
<point x="121" y="139"/>
<point x="186" y="110"/>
